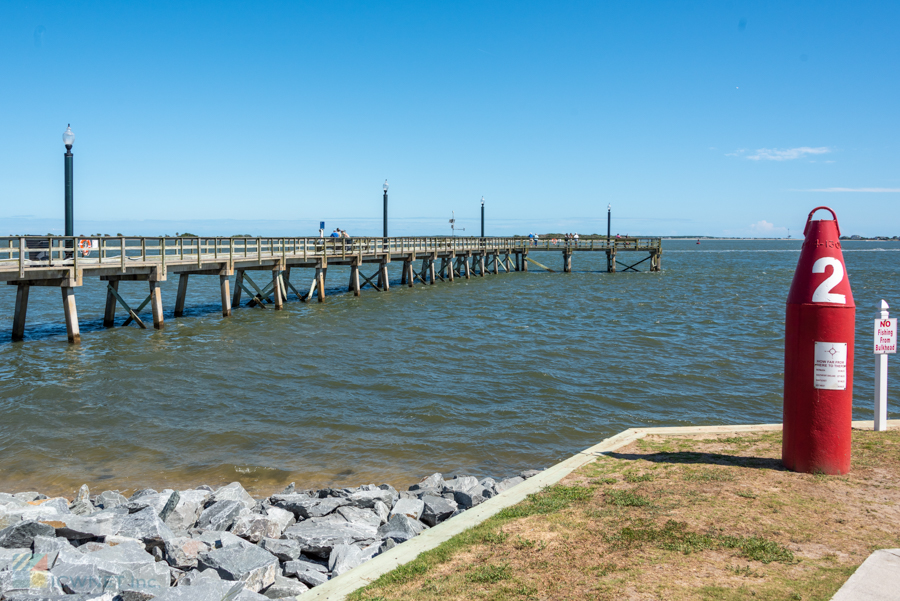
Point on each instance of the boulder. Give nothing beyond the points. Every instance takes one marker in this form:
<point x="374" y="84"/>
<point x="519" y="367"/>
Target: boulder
<point x="310" y="508"/>
<point x="368" y="498"/>
<point x="82" y="504"/>
<point x="255" y="527"/>
<point x="400" y="528"/>
<point x="220" y="516"/>
<point x="123" y="567"/>
<point x="146" y="526"/>
<point x="508" y="483"/>
<point x="289" y="501"/>
<point x="212" y="590"/>
<point x="489" y="483"/>
<point x="307" y="572"/>
<point x="253" y="566"/>
<point x="234" y="492"/>
<point x="29" y="496"/>
<point x="50" y="548"/>
<point x="285" y="587"/>
<point x="284" y="549"/>
<point x="22" y="534"/>
<point x="433" y="481"/>
<point x="109" y="499"/>
<point x="382" y="511"/>
<point x="529" y="473"/>
<point x="344" y="558"/>
<point x="98" y="525"/>
<point x="472" y="497"/>
<point x="12" y="514"/>
<point x="169" y="507"/>
<point x="183" y="552"/>
<point x="196" y="577"/>
<point x="220" y="540"/>
<point x="460" y="483"/>
<point x="320" y="539"/>
<point x="437" y="509"/>
<point x="422" y="492"/>
<point x="358" y="515"/>
<point x="33" y="583"/>
<point x="409" y="507"/>
<point x="187" y="511"/>
<point x="12" y="559"/>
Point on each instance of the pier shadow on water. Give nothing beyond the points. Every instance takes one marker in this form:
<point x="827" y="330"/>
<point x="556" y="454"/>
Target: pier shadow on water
<point x="687" y="457"/>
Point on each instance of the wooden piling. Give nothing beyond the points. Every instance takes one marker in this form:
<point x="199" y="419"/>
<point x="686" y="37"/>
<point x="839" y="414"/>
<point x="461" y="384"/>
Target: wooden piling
<point x="431" y="270"/>
<point x="567" y="261"/>
<point x="496" y="263"/>
<point x="72" y="331"/>
<point x="109" y="313"/>
<point x="155" y="304"/>
<point x="18" y="331"/>
<point x="354" y="279"/>
<point x="238" y="285"/>
<point x="466" y="266"/>
<point x="277" y="289"/>
<point x="383" y="275"/>
<point x="320" y="282"/>
<point x="226" y="296"/>
<point x="182" y="293"/>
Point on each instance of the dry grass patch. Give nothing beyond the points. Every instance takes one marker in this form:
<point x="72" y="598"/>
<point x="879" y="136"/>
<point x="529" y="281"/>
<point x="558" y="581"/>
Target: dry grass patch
<point x="694" y="517"/>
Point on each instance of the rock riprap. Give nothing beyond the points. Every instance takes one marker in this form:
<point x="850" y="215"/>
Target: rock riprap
<point x="205" y="544"/>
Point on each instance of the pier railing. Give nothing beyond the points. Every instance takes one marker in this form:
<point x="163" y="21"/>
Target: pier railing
<point x="83" y="251"/>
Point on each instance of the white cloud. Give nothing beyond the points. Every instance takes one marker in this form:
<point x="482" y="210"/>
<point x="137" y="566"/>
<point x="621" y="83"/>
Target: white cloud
<point x="763" y="227"/>
<point x="776" y="154"/>
<point x="876" y="190"/>
<point x="788" y="154"/>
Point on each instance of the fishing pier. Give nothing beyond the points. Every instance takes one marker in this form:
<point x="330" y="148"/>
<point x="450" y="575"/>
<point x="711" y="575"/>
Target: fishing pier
<point x="275" y="263"/>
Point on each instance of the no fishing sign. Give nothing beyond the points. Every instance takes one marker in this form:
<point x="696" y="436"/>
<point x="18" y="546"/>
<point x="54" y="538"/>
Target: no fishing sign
<point x="886" y="336"/>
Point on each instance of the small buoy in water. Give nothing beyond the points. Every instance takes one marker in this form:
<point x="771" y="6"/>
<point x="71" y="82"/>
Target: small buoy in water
<point x="698" y="240"/>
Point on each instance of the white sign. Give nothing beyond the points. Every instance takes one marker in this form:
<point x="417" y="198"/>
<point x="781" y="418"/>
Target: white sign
<point x="886" y="336"/>
<point x="830" y="370"/>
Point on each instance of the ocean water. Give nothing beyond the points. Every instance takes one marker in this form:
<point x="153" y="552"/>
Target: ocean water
<point x="486" y="377"/>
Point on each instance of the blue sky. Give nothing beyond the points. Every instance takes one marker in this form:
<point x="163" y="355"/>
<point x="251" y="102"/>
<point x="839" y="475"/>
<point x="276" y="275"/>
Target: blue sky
<point x="715" y="118"/>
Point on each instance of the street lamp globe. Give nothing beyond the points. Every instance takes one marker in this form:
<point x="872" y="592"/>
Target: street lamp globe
<point x="68" y="137"/>
<point x="482" y="201"/>
<point x="385" y="185"/>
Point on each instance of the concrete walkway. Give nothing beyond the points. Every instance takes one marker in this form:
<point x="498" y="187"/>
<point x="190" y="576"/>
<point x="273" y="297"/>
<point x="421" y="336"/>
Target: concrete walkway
<point x="877" y="579"/>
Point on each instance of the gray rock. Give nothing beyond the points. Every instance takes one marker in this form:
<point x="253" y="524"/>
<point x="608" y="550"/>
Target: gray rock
<point x="255" y="527"/>
<point x="285" y="587"/>
<point x="371" y="551"/>
<point x="196" y="577"/>
<point x="408" y="495"/>
<point x="472" y="497"/>
<point x="12" y="559"/>
<point x="213" y="590"/>
<point x="296" y="566"/>
<point x="81" y="508"/>
<point x="320" y="539"/>
<point x="187" y="510"/>
<point x="146" y="526"/>
<point x="529" y="473"/>
<point x="220" y="516"/>
<point x="253" y="566"/>
<point x="51" y="548"/>
<point x="220" y="540"/>
<point x="124" y="567"/>
<point x="309" y="508"/>
<point x="508" y="483"/>
<point x="283" y="517"/>
<point x="309" y="577"/>
<point x="37" y="584"/>
<point x="98" y="525"/>
<point x="400" y="528"/>
<point x="183" y="553"/>
<point x="433" y="481"/>
<point x="83" y="495"/>
<point x="169" y="507"/>
<point x="382" y="511"/>
<point x="460" y="483"/>
<point x="344" y="558"/>
<point x="393" y="491"/>
<point x="409" y="507"/>
<point x="358" y="515"/>
<point x="386" y="545"/>
<point x="234" y="492"/>
<point x="109" y="499"/>
<point x="142" y="493"/>
<point x="22" y="534"/>
<point x="422" y="492"/>
<point x="29" y="496"/>
<point x="289" y="489"/>
<point x="368" y="498"/>
<point x="488" y="483"/>
<point x="437" y="509"/>
<point x="284" y="549"/>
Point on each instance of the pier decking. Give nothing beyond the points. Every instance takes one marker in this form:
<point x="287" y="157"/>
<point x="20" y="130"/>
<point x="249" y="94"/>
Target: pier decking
<point x="64" y="262"/>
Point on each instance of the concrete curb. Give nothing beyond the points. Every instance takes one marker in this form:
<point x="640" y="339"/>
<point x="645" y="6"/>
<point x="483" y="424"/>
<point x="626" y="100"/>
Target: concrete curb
<point x="358" y="577"/>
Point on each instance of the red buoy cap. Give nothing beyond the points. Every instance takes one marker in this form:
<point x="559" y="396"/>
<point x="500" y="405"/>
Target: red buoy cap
<point x="821" y="276"/>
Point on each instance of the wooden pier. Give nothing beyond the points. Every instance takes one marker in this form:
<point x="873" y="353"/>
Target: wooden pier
<point x="64" y="262"/>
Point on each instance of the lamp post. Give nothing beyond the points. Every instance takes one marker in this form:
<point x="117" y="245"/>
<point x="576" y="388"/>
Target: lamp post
<point x="482" y="216"/>
<point x="68" y="140"/>
<point x="608" y="221"/>
<point x="385" y="208"/>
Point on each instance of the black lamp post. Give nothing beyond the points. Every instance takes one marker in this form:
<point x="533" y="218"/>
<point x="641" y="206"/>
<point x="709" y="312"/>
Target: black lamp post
<point x="68" y="140"/>
<point x="608" y="221"/>
<point x="482" y="216"/>
<point x="385" y="208"/>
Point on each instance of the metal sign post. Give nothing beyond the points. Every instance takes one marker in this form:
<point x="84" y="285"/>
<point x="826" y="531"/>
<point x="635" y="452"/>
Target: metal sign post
<point x="885" y="344"/>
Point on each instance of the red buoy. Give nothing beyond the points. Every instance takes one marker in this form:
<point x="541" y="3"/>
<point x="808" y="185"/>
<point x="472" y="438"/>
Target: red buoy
<point x="818" y="355"/>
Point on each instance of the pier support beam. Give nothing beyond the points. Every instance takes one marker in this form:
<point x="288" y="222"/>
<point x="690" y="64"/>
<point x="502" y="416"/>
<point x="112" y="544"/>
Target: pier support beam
<point x="496" y="264"/>
<point x="277" y="289"/>
<point x="408" y="271"/>
<point x="431" y="270"/>
<point x="354" y="279"/>
<point x="72" y="331"/>
<point x="320" y="282"/>
<point x="383" y="277"/>
<point x="466" y="267"/>
<point x="611" y="261"/>
<point x="567" y="261"/>
<point x="238" y="286"/>
<point x="182" y="293"/>
<point x="226" y="296"/>
<point x="18" y="331"/>
<point x="109" y="313"/>
<point x="481" y="265"/>
<point x="525" y="262"/>
<point x="156" y="304"/>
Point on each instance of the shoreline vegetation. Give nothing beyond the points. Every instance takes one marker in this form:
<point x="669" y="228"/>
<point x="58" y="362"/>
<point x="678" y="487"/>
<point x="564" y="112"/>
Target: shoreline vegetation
<point x="711" y="516"/>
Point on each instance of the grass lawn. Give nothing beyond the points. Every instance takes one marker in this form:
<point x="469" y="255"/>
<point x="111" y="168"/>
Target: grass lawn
<point x="675" y="517"/>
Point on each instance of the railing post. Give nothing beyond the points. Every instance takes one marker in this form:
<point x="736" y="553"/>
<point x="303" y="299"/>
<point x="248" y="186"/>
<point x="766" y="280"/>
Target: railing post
<point x="21" y="257"/>
<point x="122" y="252"/>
